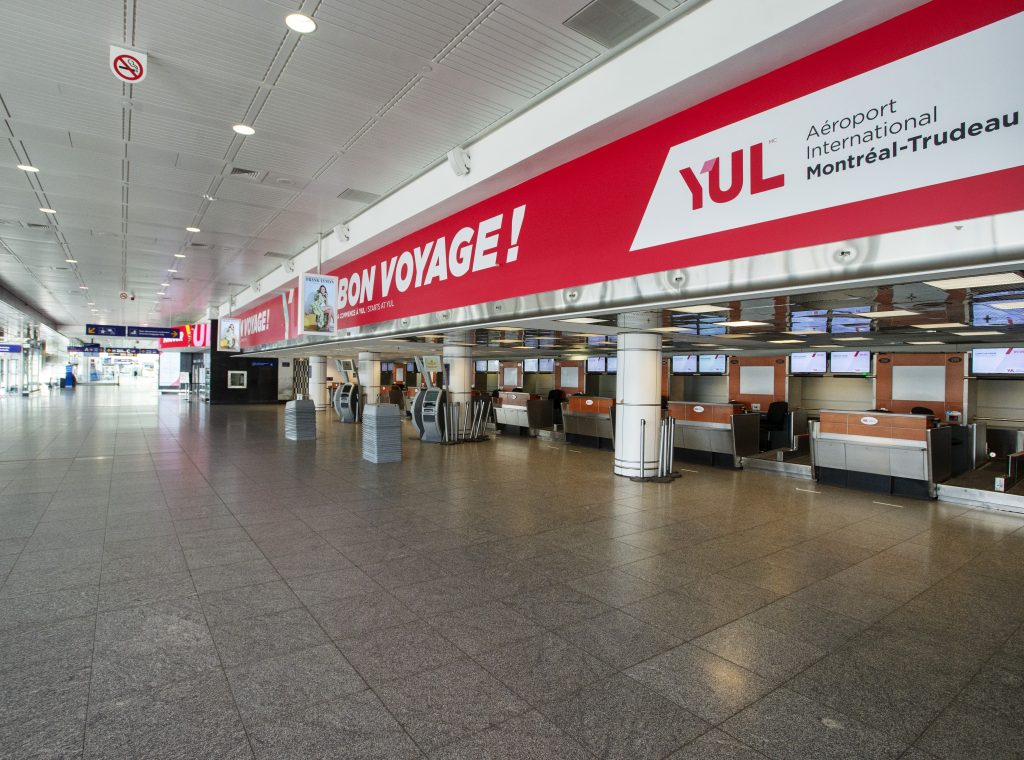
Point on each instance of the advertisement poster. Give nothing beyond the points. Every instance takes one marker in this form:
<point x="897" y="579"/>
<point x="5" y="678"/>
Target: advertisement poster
<point x="228" y="333"/>
<point x="318" y="294"/>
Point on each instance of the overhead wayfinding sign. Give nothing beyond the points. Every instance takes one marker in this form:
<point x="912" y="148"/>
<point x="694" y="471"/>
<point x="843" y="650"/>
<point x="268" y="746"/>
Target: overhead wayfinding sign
<point x="128" y="65"/>
<point x="170" y="333"/>
<point x="887" y="130"/>
<point x="10" y="348"/>
<point x="109" y="331"/>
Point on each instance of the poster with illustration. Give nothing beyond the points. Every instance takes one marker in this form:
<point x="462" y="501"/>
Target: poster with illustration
<point x="318" y="294"/>
<point x="228" y="334"/>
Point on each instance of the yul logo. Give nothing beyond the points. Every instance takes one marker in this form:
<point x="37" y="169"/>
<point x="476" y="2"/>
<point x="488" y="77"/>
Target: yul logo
<point x="712" y="167"/>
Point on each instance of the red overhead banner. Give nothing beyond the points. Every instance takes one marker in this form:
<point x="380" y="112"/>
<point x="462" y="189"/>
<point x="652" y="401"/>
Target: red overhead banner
<point x="191" y="336"/>
<point x="272" y="321"/>
<point x="911" y="123"/>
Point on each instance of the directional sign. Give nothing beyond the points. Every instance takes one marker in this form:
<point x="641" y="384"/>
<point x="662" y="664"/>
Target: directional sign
<point x="154" y="332"/>
<point x="109" y="331"/>
<point x="128" y="65"/>
<point x="10" y="348"/>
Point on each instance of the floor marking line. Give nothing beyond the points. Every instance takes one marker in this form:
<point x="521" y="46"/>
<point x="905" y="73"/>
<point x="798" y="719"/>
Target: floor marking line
<point x="807" y="490"/>
<point x="887" y="504"/>
<point x="683" y="469"/>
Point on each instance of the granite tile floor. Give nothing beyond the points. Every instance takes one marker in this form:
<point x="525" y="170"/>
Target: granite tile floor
<point x="178" y="581"/>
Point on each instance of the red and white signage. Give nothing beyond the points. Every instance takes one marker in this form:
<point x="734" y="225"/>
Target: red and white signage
<point x="129" y="66"/>
<point x="270" y="322"/>
<point x="911" y="123"/>
<point x="191" y="336"/>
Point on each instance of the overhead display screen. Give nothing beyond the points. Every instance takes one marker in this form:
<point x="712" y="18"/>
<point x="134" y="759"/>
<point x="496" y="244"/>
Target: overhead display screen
<point x="813" y="320"/>
<point x="481" y="365"/>
<point x="711" y="364"/>
<point x="850" y="362"/>
<point x="546" y="365"/>
<point x="808" y="363"/>
<point x="684" y="364"/>
<point x="492" y="365"/>
<point x="529" y="365"/>
<point x="596" y="364"/>
<point x="841" y="324"/>
<point x="613" y="365"/>
<point x="998" y="361"/>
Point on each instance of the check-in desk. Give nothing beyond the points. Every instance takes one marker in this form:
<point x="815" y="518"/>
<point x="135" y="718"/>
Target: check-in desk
<point x="589" y="420"/>
<point x="901" y="454"/>
<point x="510" y="412"/>
<point x="716" y="434"/>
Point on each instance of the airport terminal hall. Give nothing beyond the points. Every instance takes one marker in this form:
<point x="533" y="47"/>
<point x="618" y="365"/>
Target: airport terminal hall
<point x="511" y="380"/>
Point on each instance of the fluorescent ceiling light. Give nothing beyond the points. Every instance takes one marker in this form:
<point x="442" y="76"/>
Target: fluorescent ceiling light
<point x="165" y="284"/>
<point x="47" y="210"/>
<point x="981" y="281"/>
<point x="741" y="323"/>
<point x="1007" y="305"/>
<point x="706" y="345"/>
<point x="787" y="341"/>
<point x="854" y="339"/>
<point x="731" y="349"/>
<point x="179" y="255"/>
<point x="925" y="343"/>
<point x="939" y="325"/>
<point x="978" y="332"/>
<point x="27" y="168"/>
<point x="826" y="345"/>
<point x="582" y="320"/>
<point x="193" y="229"/>
<point x="91" y="303"/>
<point x="887" y="314"/>
<point x="70" y="261"/>
<point x="300" y="23"/>
<point x="172" y="270"/>
<point x="669" y="329"/>
<point x="504" y="328"/>
<point x="244" y="129"/>
<point x="83" y="287"/>
<point x="699" y="309"/>
<point x="804" y="332"/>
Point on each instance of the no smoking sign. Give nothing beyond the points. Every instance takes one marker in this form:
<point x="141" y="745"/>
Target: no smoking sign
<point x="127" y="65"/>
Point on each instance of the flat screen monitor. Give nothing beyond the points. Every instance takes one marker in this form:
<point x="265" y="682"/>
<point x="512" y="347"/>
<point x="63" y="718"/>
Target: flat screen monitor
<point x="481" y="365"/>
<point x="595" y="340"/>
<point x="386" y="366"/>
<point x="711" y="364"/>
<point x="529" y="365"/>
<point x="813" y="363"/>
<point x="850" y="362"/>
<point x="492" y="365"/>
<point x="546" y="365"/>
<point x="410" y="367"/>
<point x="997" y="361"/>
<point x="841" y="324"/>
<point x="510" y="376"/>
<point x="812" y="320"/>
<point x="612" y="365"/>
<point x="987" y="313"/>
<point x="596" y="364"/>
<point x="685" y="364"/>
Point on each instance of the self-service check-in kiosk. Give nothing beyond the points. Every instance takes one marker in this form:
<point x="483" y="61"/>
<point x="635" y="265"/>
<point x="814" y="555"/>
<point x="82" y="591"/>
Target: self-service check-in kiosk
<point x="431" y="414"/>
<point x="346" y="397"/>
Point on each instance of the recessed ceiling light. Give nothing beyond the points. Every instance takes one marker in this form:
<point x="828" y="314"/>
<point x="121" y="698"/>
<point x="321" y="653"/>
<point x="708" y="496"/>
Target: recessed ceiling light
<point x="165" y="284"/>
<point x="804" y="332"/>
<point x="91" y="303"/>
<point x="787" y="341"/>
<point x="95" y="311"/>
<point x="939" y="325"/>
<point x="160" y="293"/>
<point x="854" y="339"/>
<point x="826" y="345"/>
<point x="83" y="287"/>
<point x="27" y="168"/>
<point x="887" y="314"/>
<point x="1007" y="305"/>
<point x="669" y="329"/>
<point x="699" y="309"/>
<point x="706" y="345"/>
<point x="300" y="23"/>
<point x="731" y="349"/>
<point x="179" y="255"/>
<point x="582" y="320"/>
<point x="973" y="333"/>
<point x="192" y="229"/>
<point x="244" y="129"/>
<point x="70" y="261"/>
<point x="742" y="323"/>
<point x="47" y="210"/>
<point x="981" y="281"/>
<point x="925" y="343"/>
<point x="172" y="270"/>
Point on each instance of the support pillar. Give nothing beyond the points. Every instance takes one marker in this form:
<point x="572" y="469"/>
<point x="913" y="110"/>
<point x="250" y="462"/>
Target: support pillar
<point x="458" y="355"/>
<point x="369" y="376"/>
<point x="318" y="382"/>
<point x="638" y="396"/>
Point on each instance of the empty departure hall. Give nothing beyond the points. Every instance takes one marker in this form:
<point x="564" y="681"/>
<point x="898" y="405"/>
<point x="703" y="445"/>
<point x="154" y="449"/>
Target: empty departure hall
<point x="511" y="380"/>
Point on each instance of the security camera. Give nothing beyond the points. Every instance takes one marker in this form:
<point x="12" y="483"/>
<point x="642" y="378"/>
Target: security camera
<point x="132" y="295"/>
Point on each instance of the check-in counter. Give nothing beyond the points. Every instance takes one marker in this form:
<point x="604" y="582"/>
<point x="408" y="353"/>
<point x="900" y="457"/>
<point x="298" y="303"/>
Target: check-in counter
<point x="902" y="454"/>
<point x="510" y="411"/>
<point x="718" y="434"/>
<point x="589" y="420"/>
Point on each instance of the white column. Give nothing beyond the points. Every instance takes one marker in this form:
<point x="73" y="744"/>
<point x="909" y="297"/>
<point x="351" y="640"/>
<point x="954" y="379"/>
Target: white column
<point x="369" y="375"/>
<point x="638" y="397"/>
<point x="318" y="382"/>
<point x="458" y="355"/>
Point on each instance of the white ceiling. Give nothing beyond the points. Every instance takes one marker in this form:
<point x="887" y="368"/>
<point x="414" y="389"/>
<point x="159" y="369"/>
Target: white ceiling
<point x="380" y="92"/>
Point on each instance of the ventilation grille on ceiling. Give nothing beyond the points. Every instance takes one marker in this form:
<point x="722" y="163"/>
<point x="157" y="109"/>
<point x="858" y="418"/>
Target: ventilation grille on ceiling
<point x="200" y="245"/>
<point x="609" y="22"/>
<point x="253" y="174"/>
<point x="37" y="226"/>
<point x="358" y="196"/>
<point x="276" y="255"/>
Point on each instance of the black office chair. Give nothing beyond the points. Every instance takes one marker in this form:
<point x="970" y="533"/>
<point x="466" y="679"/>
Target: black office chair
<point x="773" y="421"/>
<point x="922" y="410"/>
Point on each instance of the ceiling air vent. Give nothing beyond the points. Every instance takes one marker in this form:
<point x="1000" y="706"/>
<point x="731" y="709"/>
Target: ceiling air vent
<point x="276" y="255"/>
<point x="609" y="22"/>
<point x="200" y="245"/>
<point x="358" y="196"/>
<point x="37" y="226"/>
<point x="256" y="175"/>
